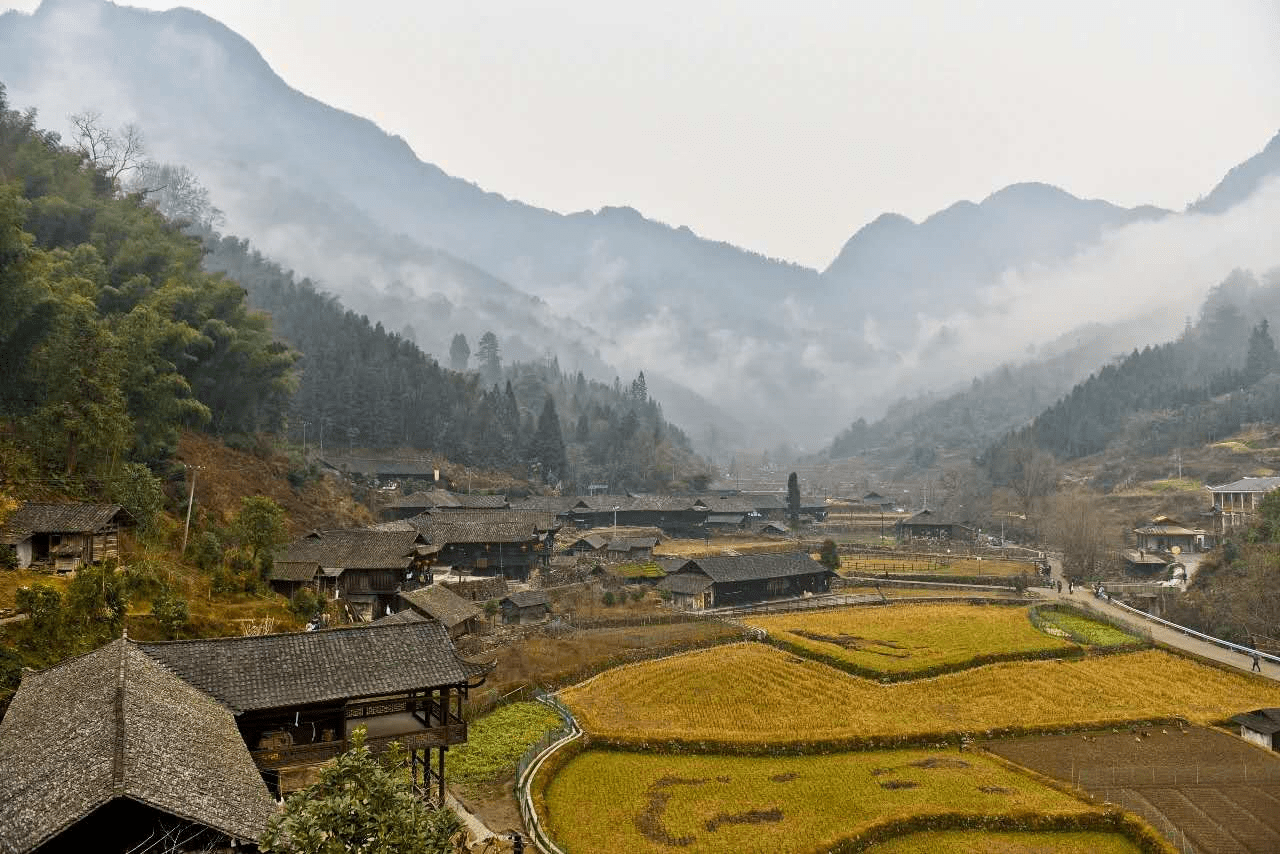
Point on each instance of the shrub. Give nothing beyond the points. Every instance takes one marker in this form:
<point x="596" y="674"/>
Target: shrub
<point x="306" y="603"/>
<point x="171" y="612"/>
<point x="607" y="599"/>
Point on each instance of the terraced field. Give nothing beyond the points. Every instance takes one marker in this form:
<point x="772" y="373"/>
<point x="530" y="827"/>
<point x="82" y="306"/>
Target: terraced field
<point x="876" y="564"/>
<point x="971" y="842"/>
<point x="906" y="639"/>
<point x="607" y="802"/>
<point x="778" y="699"/>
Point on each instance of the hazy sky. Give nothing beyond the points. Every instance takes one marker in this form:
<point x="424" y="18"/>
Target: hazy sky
<point x="785" y="127"/>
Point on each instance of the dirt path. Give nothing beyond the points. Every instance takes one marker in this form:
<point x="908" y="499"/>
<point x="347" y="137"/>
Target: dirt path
<point x="1161" y="634"/>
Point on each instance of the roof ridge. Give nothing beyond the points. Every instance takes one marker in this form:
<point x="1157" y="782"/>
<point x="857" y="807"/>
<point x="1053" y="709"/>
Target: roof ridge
<point x="117" y="757"/>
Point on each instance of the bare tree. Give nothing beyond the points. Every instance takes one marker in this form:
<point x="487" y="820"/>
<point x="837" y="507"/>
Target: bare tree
<point x="1078" y="527"/>
<point x="176" y="192"/>
<point x="111" y="153"/>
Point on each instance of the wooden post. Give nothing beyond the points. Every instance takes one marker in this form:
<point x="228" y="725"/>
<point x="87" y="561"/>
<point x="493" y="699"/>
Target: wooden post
<point x="441" y="781"/>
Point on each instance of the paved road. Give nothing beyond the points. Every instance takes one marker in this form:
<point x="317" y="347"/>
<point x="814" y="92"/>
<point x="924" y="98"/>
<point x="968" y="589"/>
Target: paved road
<point x="1162" y="634"/>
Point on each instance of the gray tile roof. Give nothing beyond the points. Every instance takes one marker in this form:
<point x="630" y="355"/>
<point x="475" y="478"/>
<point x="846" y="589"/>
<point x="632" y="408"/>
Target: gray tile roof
<point x="32" y="518"/>
<point x="355" y="548"/>
<point x="114" y="723"/>
<point x="685" y="582"/>
<point x="303" y="570"/>
<point x="274" y="671"/>
<point x="554" y="504"/>
<point x="441" y="498"/>
<point x="479" y="526"/>
<point x="406" y="616"/>
<point x="1249" y="484"/>
<point x="442" y="604"/>
<point x="725" y="519"/>
<point x="727" y="568"/>
<point x="627" y="544"/>
<point x="1265" y="721"/>
<point x="527" y="598"/>
<point x="593" y="542"/>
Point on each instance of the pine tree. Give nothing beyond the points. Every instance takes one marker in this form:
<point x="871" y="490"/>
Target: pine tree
<point x="793" y="497"/>
<point x="459" y="353"/>
<point x="1262" y="358"/>
<point x="547" y="447"/>
<point x="490" y="356"/>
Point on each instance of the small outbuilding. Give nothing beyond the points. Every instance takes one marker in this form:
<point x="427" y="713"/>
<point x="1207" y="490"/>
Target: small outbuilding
<point x="927" y="525"/>
<point x="436" y="602"/>
<point x="1260" y="726"/>
<point x="525" y="607"/>
<point x="726" y="580"/>
<point x="64" y="537"/>
<point x="632" y="548"/>
<point x="591" y="544"/>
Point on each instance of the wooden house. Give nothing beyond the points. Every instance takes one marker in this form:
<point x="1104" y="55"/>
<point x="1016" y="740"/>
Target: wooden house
<point x="417" y="503"/>
<point x="109" y="750"/>
<point x="725" y="523"/>
<point x="927" y="525"/>
<point x="458" y="616"/>
<point x="670" y="513"/>
<point x="525" y="606"/>
<point x="63" y="537"/>
<point x="727" y="580"/>
<point x="507" y="543"/>
<point x="367" y="568"/>
<point x="298" y="698"/>
<point x="591" y="544"/>
<point x="1163" y="534"/>
<point x="1261" y="726"/>
<point x="632" y="548"/>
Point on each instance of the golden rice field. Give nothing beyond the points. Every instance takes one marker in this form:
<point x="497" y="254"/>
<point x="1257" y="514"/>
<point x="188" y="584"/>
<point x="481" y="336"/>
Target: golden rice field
<point x="972" y="842"/>
<point x="907" y="565"/>
<point x="908" y="638"/>
<point x="777" y="698"/>
<point x="603" y="802"/>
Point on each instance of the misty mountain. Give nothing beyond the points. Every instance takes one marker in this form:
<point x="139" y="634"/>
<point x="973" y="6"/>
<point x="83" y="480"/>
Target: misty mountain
<point x="940" y="263"/>
<point x="1242" y="181"/>
<point x="725" y="334"/>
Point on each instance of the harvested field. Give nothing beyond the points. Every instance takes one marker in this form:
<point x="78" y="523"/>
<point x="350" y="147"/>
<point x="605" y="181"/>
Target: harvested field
<point x="778" y="699"/>
<point x="911" y="638"/>
<point x="974" y="842"/>
<point x="721" y="546"/>
<point x="1211" y="789"/>
<point x="918" y="565"/>
<point x="545" y="660"/>
<point x="607" y="801"/>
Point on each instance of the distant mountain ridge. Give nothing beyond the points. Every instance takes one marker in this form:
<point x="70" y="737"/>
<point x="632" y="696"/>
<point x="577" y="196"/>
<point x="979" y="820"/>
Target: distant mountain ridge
<point x="738" y="337"/>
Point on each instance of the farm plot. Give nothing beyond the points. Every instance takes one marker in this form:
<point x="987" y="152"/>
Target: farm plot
<point x="908" y="639"/>
<point x="1203" y="786"/>
<point x="932" y="565"/>
<point x="972" y="842"/>
<point x="607" y="801"/>
<point x="776" y="700"/>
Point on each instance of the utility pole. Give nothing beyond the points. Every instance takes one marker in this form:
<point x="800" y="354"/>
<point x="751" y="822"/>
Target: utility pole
<point x="304" y="441"/>
<point x="191" y="503"/>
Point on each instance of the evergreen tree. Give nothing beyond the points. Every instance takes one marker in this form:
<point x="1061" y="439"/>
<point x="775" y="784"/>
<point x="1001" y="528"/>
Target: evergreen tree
<point x="547" y="447"/>
<point x="459" y="353"/>
<point x="793" y="497"/>
<point x="490" y="356"/>
<point x="1262" y="358"/>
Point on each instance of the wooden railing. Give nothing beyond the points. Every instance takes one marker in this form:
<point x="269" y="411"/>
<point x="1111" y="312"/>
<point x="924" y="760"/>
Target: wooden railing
<point x="307" y="754"/>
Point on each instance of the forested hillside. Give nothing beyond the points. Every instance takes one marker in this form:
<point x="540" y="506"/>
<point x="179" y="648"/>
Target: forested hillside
<point x="1218" y="375"/>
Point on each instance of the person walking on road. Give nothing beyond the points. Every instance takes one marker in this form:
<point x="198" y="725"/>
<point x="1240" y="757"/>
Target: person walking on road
<point x="1257" y="664"/>
<point x="1059" y="587"/>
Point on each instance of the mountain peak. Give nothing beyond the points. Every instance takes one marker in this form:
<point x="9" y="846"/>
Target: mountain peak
<point x="1241" y="182"/>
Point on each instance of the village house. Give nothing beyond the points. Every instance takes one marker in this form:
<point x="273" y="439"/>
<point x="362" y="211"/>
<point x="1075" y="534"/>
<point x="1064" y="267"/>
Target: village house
<point x="723" y="581"/>
<point x="1261" y="726"/>
<point x="1164" y="534"/>
<point x="725" y="523"/>
<point x="525" y="607"/>
<point x="927" y="525"/>
<point x="459" y="616"/>
<point x="64" y="537"/>
<point x="366" y="568"/>
<point x="632" y="549"/>
<point x="376" y="471"/>
<point x="106" y="751"/>
<point x="1234" y="503"/>
<point x="298" y="698"/>
<point x="506" y="543"/>
<point x="408" y="506"/>
<point x="591" y="544"/>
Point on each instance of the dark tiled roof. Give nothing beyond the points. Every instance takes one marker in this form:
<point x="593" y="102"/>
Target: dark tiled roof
<point x="554" y="504"/>
<point x="626" y="544"/>
<point x="406" y="616"/>
<point x="303" y="570"/>
<point x="355" y="548"/>
<point x="1249" y="484"/>
<point x="275" y="671"/>
<point x="499" y="526"/>
<point x="727" y="568"/>
<point x="1265" y="721"/>
<point x="441" y="603"/>
<point x="685" y="582"/>
<point x="443" y="499"/>
<point x="591" y="541"/>
<point x="725" y="519"/>
<point x="114" y="723"/>
<point x="33" y="518"/>
<point x="527" y="598"/>
<point x="739" y="504"/>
